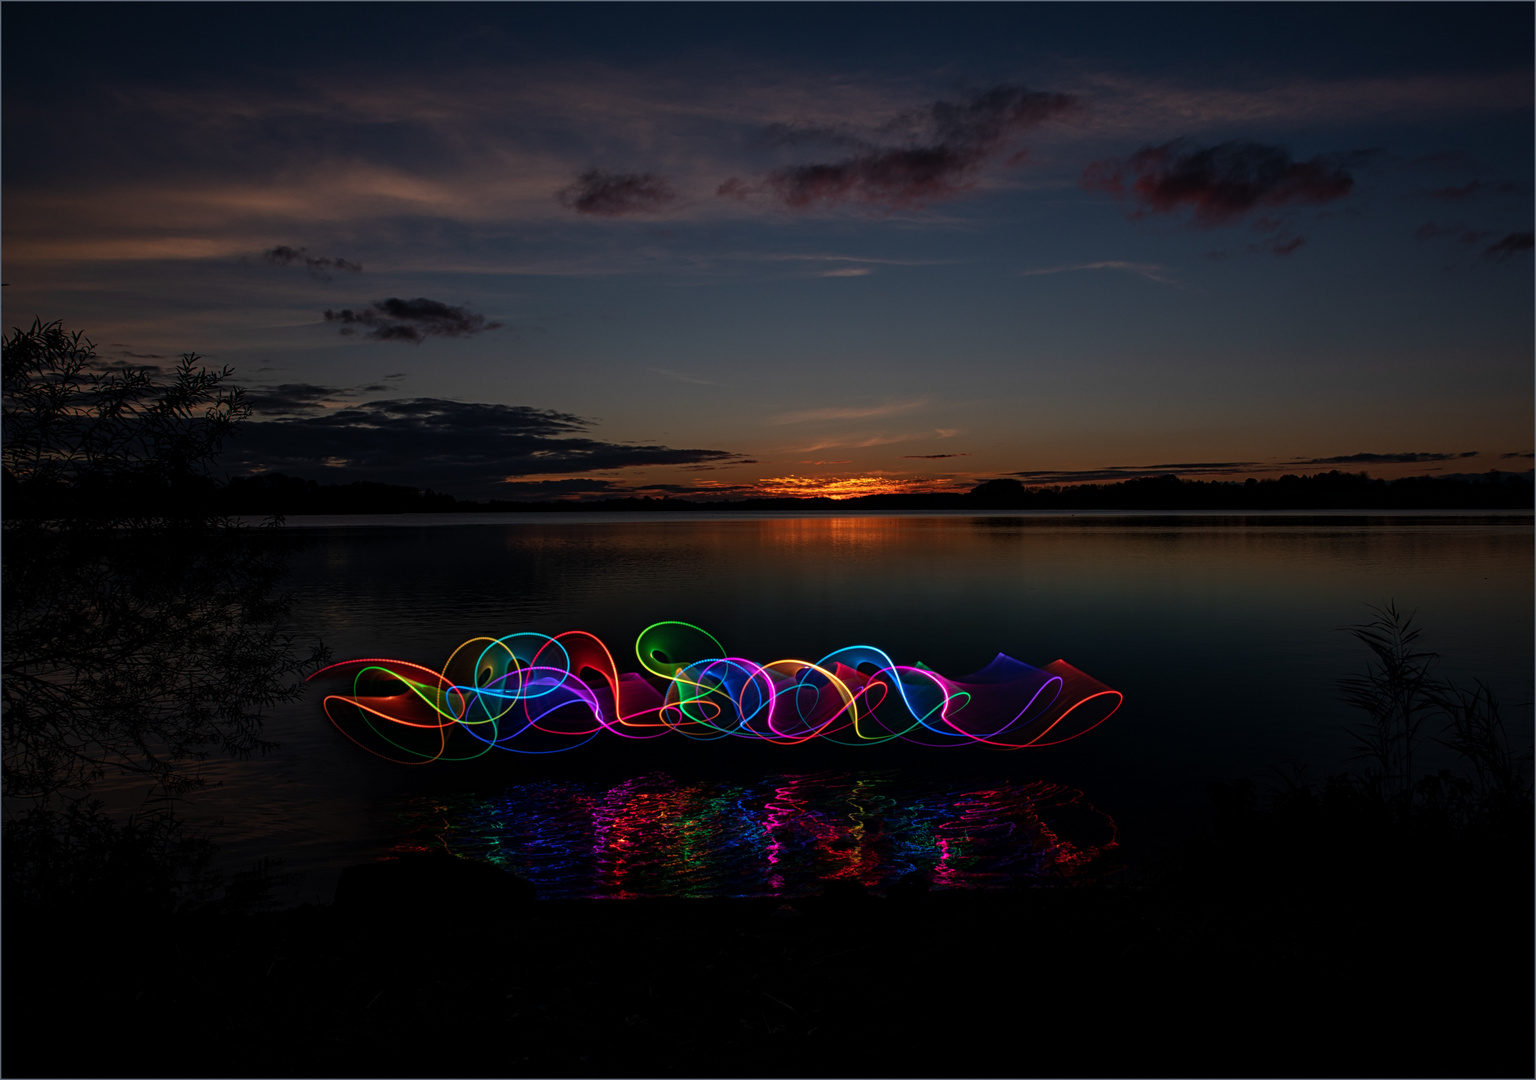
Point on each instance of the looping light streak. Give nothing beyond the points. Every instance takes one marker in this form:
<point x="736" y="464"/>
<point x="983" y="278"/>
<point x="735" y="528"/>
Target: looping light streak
<point x="534" y="694"/>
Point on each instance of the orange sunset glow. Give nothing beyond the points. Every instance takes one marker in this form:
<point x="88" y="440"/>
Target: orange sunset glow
<point x="837" y="487"/>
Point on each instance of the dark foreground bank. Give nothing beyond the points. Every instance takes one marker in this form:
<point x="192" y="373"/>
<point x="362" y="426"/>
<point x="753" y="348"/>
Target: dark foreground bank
<point x="1351" y="963"/>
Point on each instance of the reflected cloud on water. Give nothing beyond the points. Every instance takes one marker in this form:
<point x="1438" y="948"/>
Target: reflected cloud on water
<point x="784" y="835"/>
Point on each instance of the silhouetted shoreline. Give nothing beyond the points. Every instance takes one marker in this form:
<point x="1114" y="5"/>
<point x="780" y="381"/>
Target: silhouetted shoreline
<point x="276" y="493"/>
<point x="268" y="494"/>
<point x="1257" y="964"/>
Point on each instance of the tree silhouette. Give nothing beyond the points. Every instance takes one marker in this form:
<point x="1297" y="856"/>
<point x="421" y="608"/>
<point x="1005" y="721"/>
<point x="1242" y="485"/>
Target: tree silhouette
<point x="141" y="632"/>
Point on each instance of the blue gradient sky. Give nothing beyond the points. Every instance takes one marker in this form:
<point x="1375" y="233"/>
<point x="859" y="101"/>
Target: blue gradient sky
<point x="788" y="248"/>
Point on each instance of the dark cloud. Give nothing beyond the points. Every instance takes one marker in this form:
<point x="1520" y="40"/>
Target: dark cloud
<point x="1517" y="454"/>
<point x="1383" y="459"/>
<point x="589" y="490"/>
<point x="684" y="489"/>
<point x="555" y="489"/>
<point x="411" y="321"/>
<point x="283" y="255"/>
<point x="467" y="449"/>
<point x="616" y="194"/>
<point x="137" y="361"/>
<point x="989" y="116"/>
<point x="124" y="365"/>
<point x="734" y="188"/>
<point x="1203" y="466"/>
<point x="1471" y="190"/>
<point x="930" y="457"/>
<point x="1218" y="184"/>
<point x="892" y="178"/>
<point x="286" y="399"/>
<point x="1132" y="472"/>
<point x="1512" y="244"/>
<point x="1082" y="476"/>
<point x="290" y="397"/>
<point x="946" y="143"/>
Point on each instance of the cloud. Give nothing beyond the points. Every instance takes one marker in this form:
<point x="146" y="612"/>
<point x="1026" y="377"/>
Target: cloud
<point x="734" y="188"/>
<point x="120" y="366"/>
<point x="554" y="489"/>
<point x="864" y="442"/>
<point x="291" y="397"/>
<point x="461" y="447"/>
<point x="412" y="321"/>
<point x="1218" y="184"/>
<point x="680" y="377"/>
<point x="1470" y="190"/>
<point x="1131" y="472"/>
<point x="930" y="457"/>
<point x="609" y="194"/>
<point x="860" y="271"/>
<point x="872" y="260"/>
<point x="588" y="490"/>
<point x="1515" y="454"/>
<point x="283" y="255"/>
<point x="850" y="412"/>
<point x="219" y="173"/>
<point x="1151" y="271"/>
<point x="946" y="144"/>
<point x="1384" y="459"/>
<point x="889" y="178"/>
<point x="136" y="362"/>
<point x="1512" y="244"/>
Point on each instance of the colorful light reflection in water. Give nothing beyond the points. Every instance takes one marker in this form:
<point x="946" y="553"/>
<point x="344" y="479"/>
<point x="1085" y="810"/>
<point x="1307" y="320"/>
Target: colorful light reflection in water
<point x="532" y="693"/>
<point x="785" y="835"/>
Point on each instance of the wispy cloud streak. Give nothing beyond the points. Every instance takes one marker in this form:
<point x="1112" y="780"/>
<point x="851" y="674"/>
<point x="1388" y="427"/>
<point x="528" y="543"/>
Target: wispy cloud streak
<point x="847" y="412"/>
<point x="1150" y="271"/>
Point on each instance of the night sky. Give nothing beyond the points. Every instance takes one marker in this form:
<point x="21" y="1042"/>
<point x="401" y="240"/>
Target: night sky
<point x="523" y="251"/>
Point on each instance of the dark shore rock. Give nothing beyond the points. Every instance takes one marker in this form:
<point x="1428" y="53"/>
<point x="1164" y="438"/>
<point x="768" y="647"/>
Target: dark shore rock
<point x="1225" y="978"/>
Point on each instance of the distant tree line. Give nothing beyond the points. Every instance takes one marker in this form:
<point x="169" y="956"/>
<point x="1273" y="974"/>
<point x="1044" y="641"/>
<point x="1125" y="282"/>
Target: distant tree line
<point x="267" y="494"/>
<point x="1333" y="490"/>
<point x="275" y="493"/>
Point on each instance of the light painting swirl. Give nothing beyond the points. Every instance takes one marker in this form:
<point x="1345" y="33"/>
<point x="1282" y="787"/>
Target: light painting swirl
<point x="532" y="693"/>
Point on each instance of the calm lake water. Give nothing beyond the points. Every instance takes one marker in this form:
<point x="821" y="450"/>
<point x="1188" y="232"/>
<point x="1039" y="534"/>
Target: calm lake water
<point x="1223" y="633"/>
